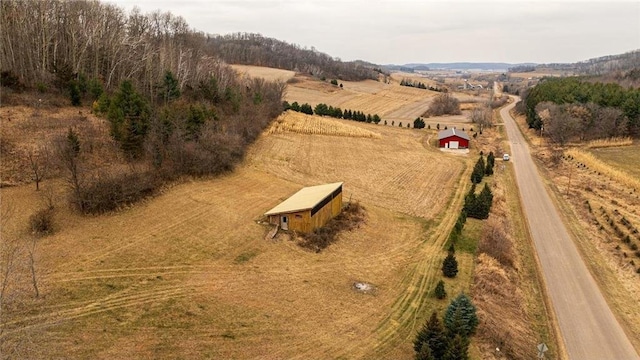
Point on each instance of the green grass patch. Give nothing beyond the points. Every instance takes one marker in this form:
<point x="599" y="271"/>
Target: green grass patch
<point x="245" y="256"/>
<point x="471" y="232"/>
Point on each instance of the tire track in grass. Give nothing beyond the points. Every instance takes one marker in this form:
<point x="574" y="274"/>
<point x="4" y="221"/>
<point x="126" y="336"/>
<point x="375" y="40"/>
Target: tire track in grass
<point x="407" y="309"/>
<point x="120" y="300"/>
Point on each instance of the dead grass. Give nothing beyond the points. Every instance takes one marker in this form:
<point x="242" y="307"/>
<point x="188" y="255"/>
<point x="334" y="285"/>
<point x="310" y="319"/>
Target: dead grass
<point x="188" y="273"/>
<point x="269" y="74"/>
<point x="300" y="123"/>
<point x="610" y="142"/>
<point x="625" y="158"/>
<point x="632" y="183"/>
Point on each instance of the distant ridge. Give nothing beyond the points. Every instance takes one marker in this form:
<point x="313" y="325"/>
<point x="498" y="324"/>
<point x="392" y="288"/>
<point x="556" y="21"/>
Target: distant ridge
<point x="456" y="66"/>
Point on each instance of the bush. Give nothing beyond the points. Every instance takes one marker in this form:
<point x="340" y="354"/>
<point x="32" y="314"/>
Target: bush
<point x="444" y="104"/>
<point x="112" y="191"/>
<point x="41" y="222"/>
<point x="319" y="239"/>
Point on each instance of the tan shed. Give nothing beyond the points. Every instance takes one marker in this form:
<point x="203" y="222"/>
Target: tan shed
<point x="308" y="209"/>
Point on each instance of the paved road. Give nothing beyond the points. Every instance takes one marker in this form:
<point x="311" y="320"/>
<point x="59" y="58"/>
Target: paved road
<point x="587" y="325"/>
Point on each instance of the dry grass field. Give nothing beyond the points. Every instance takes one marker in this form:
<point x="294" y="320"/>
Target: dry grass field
<point x="189" y="274"/>
<point x="269" y="74"/>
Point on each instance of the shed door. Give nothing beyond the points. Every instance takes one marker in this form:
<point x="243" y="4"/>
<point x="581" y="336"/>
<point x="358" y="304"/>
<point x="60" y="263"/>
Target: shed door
<point x="284" y="223"/>
<point x="453" y="144"/>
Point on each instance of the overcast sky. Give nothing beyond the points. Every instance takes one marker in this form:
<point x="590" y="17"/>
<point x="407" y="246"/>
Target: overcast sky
<point x="423" y="31"/>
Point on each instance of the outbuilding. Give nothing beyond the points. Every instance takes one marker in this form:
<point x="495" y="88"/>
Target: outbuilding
<point x="308" y="209"/>
<point x="453" y="139"/>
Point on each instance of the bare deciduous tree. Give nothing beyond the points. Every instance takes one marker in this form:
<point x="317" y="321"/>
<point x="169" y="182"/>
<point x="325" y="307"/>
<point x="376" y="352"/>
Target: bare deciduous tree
<point x="39" y="161"/>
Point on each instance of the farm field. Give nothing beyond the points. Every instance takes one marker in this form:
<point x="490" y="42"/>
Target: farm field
<point x="190" y="274"/>
<point x="269" y="74"/>
<point x="626" y="158"/>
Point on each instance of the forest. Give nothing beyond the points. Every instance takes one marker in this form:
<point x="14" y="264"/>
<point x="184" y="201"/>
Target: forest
<point x="574" y="108"/>
<point x="255" y="49"/>
<point x="172" y="107"/>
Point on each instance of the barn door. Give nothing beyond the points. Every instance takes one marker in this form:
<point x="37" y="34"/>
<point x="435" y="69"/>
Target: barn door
<point x="454" y="144"/>
<point x="284" y="223"/>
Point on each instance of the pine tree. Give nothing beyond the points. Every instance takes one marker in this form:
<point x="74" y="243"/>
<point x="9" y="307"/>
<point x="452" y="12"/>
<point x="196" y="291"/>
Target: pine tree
<point x="74" y="93"/>
<point x="490" y="162"/>
<point x="460" y="317"/>
<point x="425" y="353"/>
<point x="450" y="266"/>
<point x="439" y="291"/>
<point x="129" y="118"/>
<point x="478" y="171"/>
<point x="433" y="336"/>
<point x="457" y="348"/>
<point x="171" y="87"/>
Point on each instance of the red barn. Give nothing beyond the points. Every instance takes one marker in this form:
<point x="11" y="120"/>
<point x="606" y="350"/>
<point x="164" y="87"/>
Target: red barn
<point x="453" y="139"/>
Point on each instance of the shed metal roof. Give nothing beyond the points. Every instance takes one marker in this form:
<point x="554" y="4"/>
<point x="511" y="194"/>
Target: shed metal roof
<point x="306" y="198"/>
<point x="451" y="132"/>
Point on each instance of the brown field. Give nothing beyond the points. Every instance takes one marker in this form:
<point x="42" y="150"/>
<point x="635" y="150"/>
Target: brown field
<point x="300" y="123"/>
<point x="269" y="74"/>
<point x="625" y="158"/>
<point x="189" y="273"/>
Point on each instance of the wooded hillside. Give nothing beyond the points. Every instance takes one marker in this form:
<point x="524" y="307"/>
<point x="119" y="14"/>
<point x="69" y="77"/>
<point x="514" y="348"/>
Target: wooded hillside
<point x="255" y="49"/>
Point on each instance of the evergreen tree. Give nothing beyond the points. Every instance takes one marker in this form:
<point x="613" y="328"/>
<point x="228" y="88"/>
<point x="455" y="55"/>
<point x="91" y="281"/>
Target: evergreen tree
<point x="285" y="105"/>
<point x="74" y="93"/>
<point x="490" y="162"/>
<point x="418" y="123"/>
<point x="433" y="336"/>
<point x="376" y="119"/>
<point x="450" y="266"/>
<point x="457" y="348"/>
<point x="425" y="353"/>
<point x="460" y="317"/>
<point x="439" y="291"/>
<point x="170" y="87"/>
<point x="478" y="171"/>
<point x="129" y="118"/>
<point x="306" y="109"/>
<point x="295" y="106"/>
<point x="73" y="143"/>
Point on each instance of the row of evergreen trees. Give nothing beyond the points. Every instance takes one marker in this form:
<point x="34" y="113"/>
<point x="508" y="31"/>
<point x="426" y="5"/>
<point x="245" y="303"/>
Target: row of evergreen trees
<point x="417" y="84"/>
<point x="478" y="206"/>
<point x="335" y="112"/>
<point x="451" y="340"/>
<point x="448" y="339"/>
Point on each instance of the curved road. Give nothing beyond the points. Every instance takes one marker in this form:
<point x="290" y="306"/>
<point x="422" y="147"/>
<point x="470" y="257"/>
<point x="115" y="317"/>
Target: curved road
<point x="587" y="325"/>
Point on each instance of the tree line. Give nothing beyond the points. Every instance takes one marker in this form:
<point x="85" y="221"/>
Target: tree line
<point x="322" y="109"/>
<point x="570" y="108"/>
<point x="420" y="85"/>
<point x="255" y="49"/>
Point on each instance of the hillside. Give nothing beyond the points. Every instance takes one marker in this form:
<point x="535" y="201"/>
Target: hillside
<point x="255" y="49"/>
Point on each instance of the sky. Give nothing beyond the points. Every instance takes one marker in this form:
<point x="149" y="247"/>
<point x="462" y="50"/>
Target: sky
<point x="424" y="31"/>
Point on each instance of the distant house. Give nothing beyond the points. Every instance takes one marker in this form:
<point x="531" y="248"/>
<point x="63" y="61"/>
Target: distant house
<point x="309" y="208"/>
<point x="453" y="139"/>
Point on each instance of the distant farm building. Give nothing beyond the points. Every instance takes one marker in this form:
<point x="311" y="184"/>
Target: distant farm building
<point x="308" y="209"/>
<point x="453" y="139"/>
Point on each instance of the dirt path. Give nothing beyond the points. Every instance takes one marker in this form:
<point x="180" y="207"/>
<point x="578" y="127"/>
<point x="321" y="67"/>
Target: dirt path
<point x="587" y="325"/>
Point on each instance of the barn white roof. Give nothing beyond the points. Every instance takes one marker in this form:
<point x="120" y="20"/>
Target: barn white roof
<point x="305" y="199"/>
<point x="451" y="132"/>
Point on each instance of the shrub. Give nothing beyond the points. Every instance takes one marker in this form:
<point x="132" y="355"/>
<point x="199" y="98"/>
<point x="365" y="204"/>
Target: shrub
<point x="444" y="104"/>
<point x="41" y="222"/>
<point x="319" y="239"/>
